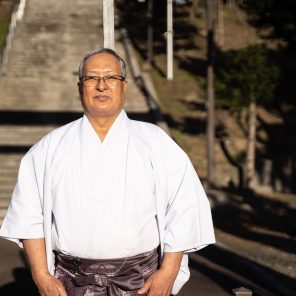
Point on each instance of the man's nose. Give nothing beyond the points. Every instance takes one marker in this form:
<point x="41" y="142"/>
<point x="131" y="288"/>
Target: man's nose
<point x="101" y="85"/>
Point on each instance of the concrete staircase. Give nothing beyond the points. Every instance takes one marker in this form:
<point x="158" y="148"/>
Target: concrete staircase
<point x="38" y="91"/>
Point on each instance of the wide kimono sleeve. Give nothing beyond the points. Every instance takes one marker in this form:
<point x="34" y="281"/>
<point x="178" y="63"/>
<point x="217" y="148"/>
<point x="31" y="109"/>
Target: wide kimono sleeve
<point x="24" y="217"/>
<point x="188" y="219"/>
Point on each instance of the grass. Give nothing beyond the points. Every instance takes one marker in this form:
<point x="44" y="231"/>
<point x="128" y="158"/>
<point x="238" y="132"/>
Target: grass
<point x="6" y="8"/>
<point x="3" y="32"/>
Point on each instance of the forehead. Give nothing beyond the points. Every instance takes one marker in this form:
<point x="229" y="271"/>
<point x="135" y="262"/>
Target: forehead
<point x="102" y="62"/>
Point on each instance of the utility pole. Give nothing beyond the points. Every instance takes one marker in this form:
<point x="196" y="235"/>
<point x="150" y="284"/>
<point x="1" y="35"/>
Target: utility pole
<point x="108" y="23"/>
<point x="169" y="35"/>
<point x="210" y="12"/>
<point x="150" y="33"/>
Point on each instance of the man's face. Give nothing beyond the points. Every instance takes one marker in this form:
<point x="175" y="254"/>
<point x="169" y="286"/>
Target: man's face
<point x="102" y="100"/>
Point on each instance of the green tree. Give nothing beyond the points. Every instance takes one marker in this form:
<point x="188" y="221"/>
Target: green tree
<point x="245" y="79"/>
<point x="279" y="16"/>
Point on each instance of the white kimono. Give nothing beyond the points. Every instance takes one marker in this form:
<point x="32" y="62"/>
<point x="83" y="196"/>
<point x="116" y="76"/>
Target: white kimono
<point x="183" y="213"/>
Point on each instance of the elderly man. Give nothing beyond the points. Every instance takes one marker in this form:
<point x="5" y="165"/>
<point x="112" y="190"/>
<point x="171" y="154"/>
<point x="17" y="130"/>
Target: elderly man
<point x="106" y="205"/>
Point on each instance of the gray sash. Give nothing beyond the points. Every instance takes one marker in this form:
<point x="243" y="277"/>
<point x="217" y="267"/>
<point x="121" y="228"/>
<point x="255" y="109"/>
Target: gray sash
<point x="106" y="277"/>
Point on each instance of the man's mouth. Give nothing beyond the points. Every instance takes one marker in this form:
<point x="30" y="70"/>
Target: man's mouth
<point x="102" y="98"/>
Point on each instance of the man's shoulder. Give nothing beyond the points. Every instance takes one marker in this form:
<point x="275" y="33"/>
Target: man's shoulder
<point x="161" y="144"/>
<point x="154" y="135"/>
<point x="55" y="136"/>
<point x="147" y="129"/>
<point x="64" y="129"/>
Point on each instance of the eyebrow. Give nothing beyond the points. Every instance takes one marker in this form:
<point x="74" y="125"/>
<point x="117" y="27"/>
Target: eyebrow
<point x="99" y="71"/>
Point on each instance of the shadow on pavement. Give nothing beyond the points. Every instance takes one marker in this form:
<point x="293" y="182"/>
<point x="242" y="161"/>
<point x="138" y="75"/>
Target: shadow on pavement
<point x="230" y="271"/>
<point x="23" y="284"/>
<point x="52" y="118"/>
<point x="42" y="118"/>
<point x="256" y="218"/>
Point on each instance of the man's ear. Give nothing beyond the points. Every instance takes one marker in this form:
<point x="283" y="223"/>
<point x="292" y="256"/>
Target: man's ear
<point x="125" y="85"/>
<point x="80" y="90"/>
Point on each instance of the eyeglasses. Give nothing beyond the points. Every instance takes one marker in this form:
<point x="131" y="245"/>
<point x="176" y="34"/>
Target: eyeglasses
<point x="93" y="81"/>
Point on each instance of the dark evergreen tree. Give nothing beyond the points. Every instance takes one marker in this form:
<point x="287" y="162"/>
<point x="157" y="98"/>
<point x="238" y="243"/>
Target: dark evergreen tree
<point x="244" y="79"/>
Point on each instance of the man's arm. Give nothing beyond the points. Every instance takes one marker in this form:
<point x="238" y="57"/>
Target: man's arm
<point x="47" y="284"/>
<point x="161" y="282"/>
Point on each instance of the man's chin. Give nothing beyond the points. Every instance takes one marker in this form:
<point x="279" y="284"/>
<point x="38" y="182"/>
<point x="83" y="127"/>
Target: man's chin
<point x="103" y="113"/>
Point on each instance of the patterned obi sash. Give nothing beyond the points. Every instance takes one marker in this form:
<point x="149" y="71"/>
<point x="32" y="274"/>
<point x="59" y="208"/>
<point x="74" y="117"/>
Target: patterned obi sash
<point x="105" y="277"/>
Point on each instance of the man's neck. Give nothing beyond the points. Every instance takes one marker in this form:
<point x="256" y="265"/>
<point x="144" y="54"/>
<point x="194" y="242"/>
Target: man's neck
<point x="101" y="124"/>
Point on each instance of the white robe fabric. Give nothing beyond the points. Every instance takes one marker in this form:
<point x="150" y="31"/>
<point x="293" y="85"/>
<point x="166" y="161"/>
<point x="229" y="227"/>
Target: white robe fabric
<point x="107" y="189"/>
<point x="183" y="212"/>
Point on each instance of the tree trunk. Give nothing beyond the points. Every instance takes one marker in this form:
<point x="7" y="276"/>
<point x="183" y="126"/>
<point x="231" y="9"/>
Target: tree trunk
<point x="210" y="12"/>
<point x="193" y="10"/>
<point x="150" y="33"/>
<point x="231" y="4"/>
<point x="169" y="39"/>
<point x="251" y="146"/>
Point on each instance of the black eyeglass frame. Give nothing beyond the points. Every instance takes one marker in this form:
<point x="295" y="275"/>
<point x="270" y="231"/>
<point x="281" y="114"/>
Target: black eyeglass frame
<point x="105" y="78"/>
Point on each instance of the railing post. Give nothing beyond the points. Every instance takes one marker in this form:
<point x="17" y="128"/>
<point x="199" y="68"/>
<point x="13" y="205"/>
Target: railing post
<point x="108" y="23"/>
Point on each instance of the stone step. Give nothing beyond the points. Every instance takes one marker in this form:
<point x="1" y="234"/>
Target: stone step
<point x="4" y="203"/>
<point x="2" y="214"/>
<point x="9" y="168"/>
<point x="7" y="180"/>
<point x="8" y="174"/>
<point x="6" y="192"/>
<point x="4" y="159"/>
<point x="10" y="160"/>
<point x="5" y="186"/>
<point x="8" y="187"/>
<point x="22" y="135"/>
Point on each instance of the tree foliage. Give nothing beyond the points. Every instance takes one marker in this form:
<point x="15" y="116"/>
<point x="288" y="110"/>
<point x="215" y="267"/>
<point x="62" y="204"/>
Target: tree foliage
<point x="280" y="16"/>
<point x="244" y="76"/>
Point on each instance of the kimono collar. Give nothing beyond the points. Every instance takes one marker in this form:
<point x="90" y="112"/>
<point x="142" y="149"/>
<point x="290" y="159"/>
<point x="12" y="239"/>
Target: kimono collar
<point x="115" y="141"/>
<point x="117" y="131"/>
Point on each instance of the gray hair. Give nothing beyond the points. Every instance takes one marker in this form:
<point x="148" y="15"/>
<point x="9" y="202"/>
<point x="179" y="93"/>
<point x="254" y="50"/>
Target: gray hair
<point x="102" y="50"/>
